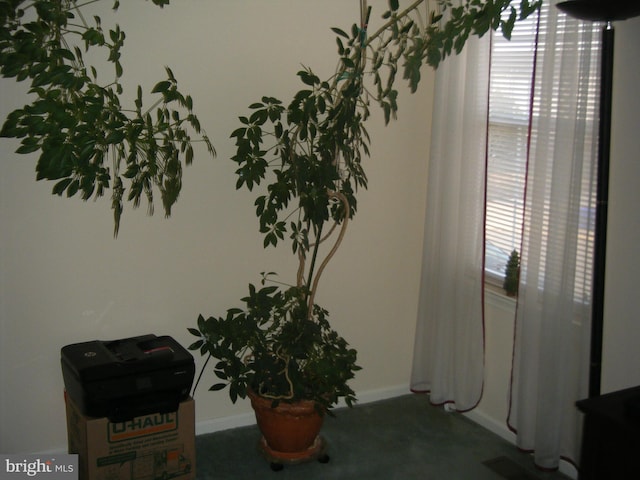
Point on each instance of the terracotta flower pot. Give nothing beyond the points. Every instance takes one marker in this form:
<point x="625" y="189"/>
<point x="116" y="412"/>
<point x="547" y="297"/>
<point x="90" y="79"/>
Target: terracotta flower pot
<point x="290" y="431"/>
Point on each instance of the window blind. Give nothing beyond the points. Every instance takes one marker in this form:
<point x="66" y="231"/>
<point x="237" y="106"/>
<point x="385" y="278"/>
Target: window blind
<point x="509" y="112"/>
<point x="513" y="117"/>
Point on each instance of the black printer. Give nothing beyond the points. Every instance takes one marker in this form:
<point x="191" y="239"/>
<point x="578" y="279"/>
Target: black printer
<point x="126" y="378"/>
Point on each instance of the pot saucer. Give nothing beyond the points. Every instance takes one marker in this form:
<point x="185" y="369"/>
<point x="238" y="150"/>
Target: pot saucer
<point x="317" y="451"/>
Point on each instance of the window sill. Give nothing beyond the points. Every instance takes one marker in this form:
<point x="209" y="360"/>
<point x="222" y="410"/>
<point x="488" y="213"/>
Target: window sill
<point x="495" y="296"/>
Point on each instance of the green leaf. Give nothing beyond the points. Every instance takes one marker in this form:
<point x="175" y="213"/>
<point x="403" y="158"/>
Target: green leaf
<point x="28" y="148"/>
<point x="308" y="78"/>
<point x="64" y="53"/>
<point x="61" y="186"/>
<point x="201" y="323"/>
<point x="527" y="7"/>
<point x="340" y="32"/>
<point x="233" y="393"/>
<point x="115" y="137"/>
<point x="73" y="188"/>
<point x="348" y="62"/>
<point x="507" y="27"/>
<point x="194" y="331"/>
<point x="239" y="132"/>
<point x="161" y="87"/>
<point x="259" y="117"/>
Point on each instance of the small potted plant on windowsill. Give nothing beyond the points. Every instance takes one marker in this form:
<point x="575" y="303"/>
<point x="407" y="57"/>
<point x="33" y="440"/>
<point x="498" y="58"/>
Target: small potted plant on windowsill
<point x="279" y="349"/>
<point x="512" y="275"/>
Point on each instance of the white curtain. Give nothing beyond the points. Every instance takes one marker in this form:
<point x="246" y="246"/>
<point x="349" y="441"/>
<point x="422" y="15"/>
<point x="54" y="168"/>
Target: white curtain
<point x="449" y="345"/>
<point x="551" y="351"/>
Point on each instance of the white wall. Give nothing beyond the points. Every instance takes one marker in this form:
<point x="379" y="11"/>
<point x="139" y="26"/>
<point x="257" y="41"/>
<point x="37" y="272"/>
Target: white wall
<point x="64" y="279"/>
<point x="621" y="346"/>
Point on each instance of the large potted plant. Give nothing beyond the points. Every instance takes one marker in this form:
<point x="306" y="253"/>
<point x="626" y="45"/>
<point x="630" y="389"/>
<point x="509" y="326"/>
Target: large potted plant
<point x="305" y="157"/>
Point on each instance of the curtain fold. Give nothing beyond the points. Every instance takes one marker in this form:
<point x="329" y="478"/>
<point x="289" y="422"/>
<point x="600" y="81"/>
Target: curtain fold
<point x="551" y="344"/>
<point x="449" y="345"/>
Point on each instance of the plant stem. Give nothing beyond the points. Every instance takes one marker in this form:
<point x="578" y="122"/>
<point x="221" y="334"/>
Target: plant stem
<point x="345" y="203"/>
<point x="193" y="392"/>
<point x="313" y="263"/>
<point x="404" y="13"/>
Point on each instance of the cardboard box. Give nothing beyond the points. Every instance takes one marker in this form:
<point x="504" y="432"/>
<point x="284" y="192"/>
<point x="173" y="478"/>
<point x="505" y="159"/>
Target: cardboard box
<point x="149" y="447"/>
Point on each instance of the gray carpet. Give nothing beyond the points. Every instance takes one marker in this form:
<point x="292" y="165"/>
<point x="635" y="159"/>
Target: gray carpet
<point x="401" y="438"/>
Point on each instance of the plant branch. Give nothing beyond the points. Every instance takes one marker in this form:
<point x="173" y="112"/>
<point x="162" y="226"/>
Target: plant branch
<point x="314" y="288"/>
<point x="384" y="28"/>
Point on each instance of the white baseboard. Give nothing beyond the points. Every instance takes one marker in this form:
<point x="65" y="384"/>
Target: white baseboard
<point x="245" y="419"/>
<point x="491" y="424"/>
<point x="501" y="430"/>
<point x="380" y="394"/>
<point x="225" y="423"/>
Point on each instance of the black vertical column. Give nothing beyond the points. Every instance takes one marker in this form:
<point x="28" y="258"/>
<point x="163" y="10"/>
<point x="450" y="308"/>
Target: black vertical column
<point x="602" y="198"/>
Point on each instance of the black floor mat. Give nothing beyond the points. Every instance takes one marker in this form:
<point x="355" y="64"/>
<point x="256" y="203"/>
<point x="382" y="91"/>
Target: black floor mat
<point x="508" y="469"/>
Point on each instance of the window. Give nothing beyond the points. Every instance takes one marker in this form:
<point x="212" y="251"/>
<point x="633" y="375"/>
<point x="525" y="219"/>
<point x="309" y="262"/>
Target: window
<point x="511" y="117"/>
<point x="509" y="111"/>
